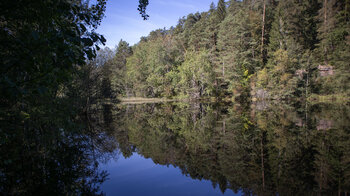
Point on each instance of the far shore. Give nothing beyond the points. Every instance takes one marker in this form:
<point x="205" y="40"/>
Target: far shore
<point x="140" y="100"/>
<point x="334" y="98"/>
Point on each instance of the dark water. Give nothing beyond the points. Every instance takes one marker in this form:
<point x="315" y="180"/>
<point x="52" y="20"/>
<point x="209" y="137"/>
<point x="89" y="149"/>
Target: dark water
<point x="186" y="149"/>
<point x="227" y="149"/>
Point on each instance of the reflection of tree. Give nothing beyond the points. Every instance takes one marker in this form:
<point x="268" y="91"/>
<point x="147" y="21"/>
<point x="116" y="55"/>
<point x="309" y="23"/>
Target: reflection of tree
<point x="265" y="152"/>
<point x="332" y="158"/>
<point x="52" y="152"/>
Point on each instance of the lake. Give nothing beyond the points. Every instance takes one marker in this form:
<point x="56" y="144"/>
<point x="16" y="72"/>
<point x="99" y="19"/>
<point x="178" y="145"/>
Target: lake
<point x="229" y="149"/>
<point x="178" y="148"/>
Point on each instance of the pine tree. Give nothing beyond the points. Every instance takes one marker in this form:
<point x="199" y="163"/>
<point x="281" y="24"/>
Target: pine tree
<point x="284" y="53"/>
<point x="123" y="51"/>
<point x="199" y="39"/>
<point x="215" y="19"/>
<point x="235" y="44"/>
<point x="190" y="21"/>
<point x="327" y="18"/>
<point x="221" y="10"/>
<point x="334" y="47"/>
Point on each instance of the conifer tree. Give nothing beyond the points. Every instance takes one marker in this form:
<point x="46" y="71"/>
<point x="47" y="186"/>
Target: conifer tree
<point x="123" y="51"/>
<point x="215" y="19"/>
<point x="334" y="47"/>
<point x="221" y="10"/>
<point x="235" y="43"/>
<point x="327" y="23"/>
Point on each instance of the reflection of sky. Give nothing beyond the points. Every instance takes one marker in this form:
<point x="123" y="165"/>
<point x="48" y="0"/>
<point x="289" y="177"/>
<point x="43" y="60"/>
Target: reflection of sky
<point x="123" y="21"/>
<point x="139" y="176"/>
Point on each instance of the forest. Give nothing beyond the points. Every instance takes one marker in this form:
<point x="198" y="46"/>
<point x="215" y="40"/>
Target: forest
<point x="240" y="50"/>
<point x="59" y="117"/>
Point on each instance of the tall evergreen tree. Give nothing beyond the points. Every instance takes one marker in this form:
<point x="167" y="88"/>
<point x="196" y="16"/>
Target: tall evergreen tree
<point x="334" y="48"/>
<point x="221" y="10"/>
<point x="235" y="43"/>
<point x="123" y="51"/>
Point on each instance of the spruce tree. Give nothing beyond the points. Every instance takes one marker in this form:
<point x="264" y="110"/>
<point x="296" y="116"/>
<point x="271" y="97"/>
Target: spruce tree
<point x="235" y="44"/>
<point x="221" y="10"/>
<point x="334" y="47"/>
<point x="123" y="51"/>
<point x="215" y="19"/>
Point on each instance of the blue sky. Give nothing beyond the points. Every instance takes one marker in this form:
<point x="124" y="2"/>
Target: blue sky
<point x="123" y="21"/>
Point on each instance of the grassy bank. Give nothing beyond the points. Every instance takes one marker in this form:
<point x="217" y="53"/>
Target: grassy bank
<point x="333" y="98"/>
<point x="139" y="100"/>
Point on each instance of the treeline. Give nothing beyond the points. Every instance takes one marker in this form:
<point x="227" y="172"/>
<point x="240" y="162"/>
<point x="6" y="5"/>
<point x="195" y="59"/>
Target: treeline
<point x="264" y="49"/>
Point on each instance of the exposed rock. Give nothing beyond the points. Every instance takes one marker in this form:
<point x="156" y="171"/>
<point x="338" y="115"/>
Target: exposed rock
<point x="300" y="73"/>
<point x="261" y="94"/>
<point x="325" y="70"/>
<point x="324" y="124"/>
<point x="261" y="105"/>
<point x="299" y="122"/>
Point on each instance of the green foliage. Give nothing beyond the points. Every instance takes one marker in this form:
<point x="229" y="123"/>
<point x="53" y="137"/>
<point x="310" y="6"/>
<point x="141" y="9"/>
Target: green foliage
<point x="238" y="51"/>
<point x="221" y="10"/>
<point x="262" y="79"/>
<point x="196" y="75"/>
<point x="43" y="43"/>
<point x="118" y="68"/>
<point x="274" y="45"/>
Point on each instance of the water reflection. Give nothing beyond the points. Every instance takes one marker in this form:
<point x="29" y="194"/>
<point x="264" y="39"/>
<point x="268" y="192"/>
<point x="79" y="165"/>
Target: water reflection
<point x="261" y="149"/>
<point x="257" y="149"/>
<point x="53" y="152"/>
<point x="137" y="175"/>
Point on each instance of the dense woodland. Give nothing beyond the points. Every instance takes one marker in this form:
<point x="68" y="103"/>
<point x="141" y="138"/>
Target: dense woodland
<point x="57" y="87"/>
<point x="262" y="49"/>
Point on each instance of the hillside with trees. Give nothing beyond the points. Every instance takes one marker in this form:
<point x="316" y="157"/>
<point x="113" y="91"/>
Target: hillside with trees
<point x="262" y="49"/>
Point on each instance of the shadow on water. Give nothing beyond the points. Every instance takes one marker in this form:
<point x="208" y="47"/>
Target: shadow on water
<point x="54" y="151"/>
<point x="257" y="149"/>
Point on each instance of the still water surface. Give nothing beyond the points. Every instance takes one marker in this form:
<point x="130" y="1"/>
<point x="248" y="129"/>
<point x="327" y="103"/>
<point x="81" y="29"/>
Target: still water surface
<point x="229" y="149"/>
<point x="137" y="175"/>
<point x="179" y="149"/>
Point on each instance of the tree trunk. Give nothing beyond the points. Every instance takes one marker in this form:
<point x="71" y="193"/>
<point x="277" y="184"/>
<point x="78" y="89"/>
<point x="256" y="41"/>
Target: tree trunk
<point x="326" y="30"/>
<point x="262" y="160"/>
<point x="347" y="2"/>
<point x="223" y="69"/>
<point x="263" y="34"/>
